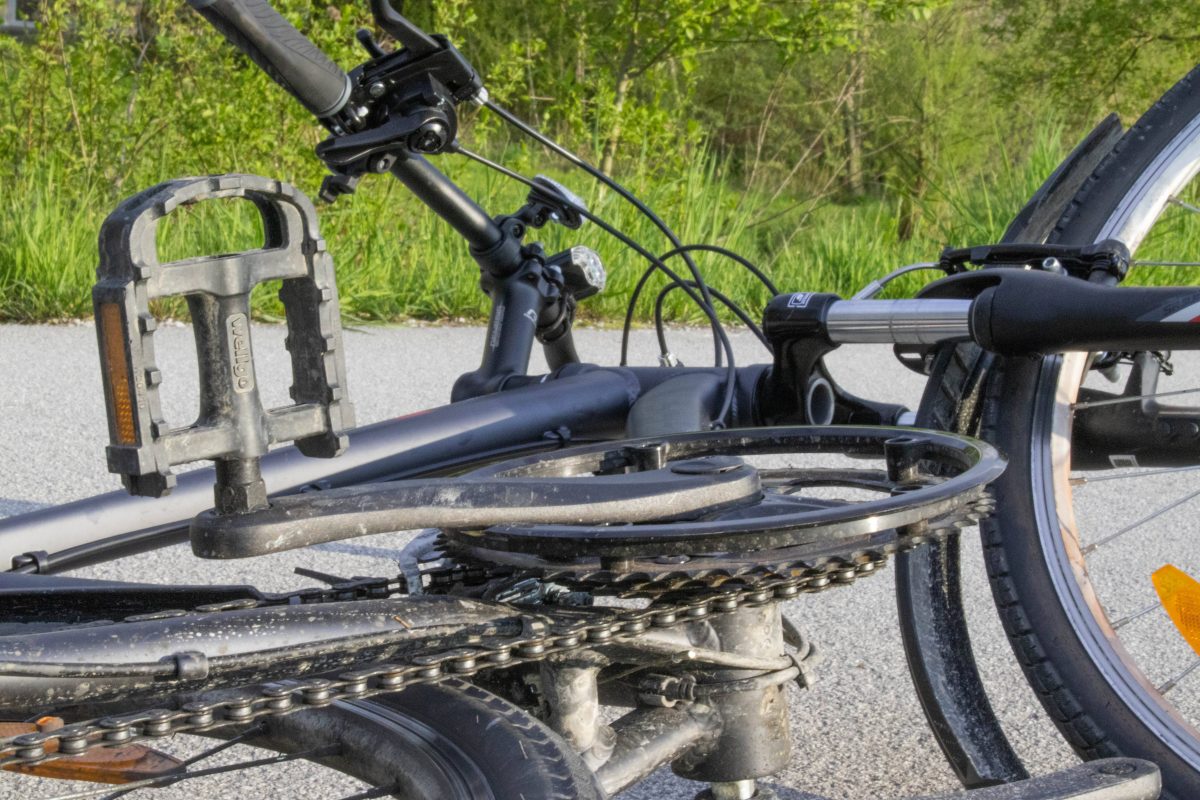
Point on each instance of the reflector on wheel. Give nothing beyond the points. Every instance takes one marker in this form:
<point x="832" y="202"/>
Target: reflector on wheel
<point x="1180" y="596"/>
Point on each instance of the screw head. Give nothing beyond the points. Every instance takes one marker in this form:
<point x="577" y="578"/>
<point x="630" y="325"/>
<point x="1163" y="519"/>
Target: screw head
<point x="376" y="89"/>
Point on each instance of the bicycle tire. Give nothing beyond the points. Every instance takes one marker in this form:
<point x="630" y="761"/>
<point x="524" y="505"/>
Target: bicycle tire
<point x="447" y="741"/>
<point x="1099" y="701"/>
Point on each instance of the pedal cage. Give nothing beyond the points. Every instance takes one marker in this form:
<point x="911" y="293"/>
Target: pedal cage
<point x="232" y="428"/>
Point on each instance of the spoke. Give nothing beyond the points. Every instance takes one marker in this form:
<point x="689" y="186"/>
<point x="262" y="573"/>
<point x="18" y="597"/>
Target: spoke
<point x="1173" y="682"/>
<point x="212" y="751"/>
<point x="1132" y="398"/>
<point x="1175" y="201"/>
<point x="168" y="780"/>
<point x="1079" y="480"/>
<point x="1123" y="621"/>
<point x="1165" y="264"/>
<point x="182" y="768"/>
<point x="1141" y="522"/>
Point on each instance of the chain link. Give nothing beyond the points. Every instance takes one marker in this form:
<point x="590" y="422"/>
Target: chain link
<point x="541" y="639"/>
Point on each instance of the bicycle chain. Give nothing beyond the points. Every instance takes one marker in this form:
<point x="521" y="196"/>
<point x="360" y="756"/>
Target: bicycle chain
<point x="568" y="633"/>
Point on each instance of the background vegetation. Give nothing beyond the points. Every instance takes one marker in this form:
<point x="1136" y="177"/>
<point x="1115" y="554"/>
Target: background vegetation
<point x="827" y="140"/>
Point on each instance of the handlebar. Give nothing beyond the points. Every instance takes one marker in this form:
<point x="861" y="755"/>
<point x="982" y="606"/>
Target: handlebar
<point x="292" y="61"/>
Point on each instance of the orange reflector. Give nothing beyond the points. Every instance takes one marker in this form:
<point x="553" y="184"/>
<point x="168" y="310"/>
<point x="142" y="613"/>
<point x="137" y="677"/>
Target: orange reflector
<point x="1180" y="596"/>
<point x="114" y="765"/>
<point x="116" y="373"/>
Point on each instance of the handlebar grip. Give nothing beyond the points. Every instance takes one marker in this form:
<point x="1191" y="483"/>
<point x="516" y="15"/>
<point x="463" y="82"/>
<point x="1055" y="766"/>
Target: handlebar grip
<point x="292" y="61"/>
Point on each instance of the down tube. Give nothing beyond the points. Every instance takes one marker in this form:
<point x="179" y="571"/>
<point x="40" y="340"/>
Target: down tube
<point x="591" y="405"/>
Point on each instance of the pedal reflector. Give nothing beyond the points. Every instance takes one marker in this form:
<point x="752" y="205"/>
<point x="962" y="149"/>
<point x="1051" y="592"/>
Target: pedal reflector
<point x="116" y="374"/>
<point x="1180" y="596"/>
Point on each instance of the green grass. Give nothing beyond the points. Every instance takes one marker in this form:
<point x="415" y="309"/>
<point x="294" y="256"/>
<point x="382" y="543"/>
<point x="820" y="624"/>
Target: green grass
<point x="396" y="260"/>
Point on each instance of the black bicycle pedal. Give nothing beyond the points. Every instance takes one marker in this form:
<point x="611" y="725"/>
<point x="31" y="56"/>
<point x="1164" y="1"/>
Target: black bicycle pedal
<point x="232" y="428"/>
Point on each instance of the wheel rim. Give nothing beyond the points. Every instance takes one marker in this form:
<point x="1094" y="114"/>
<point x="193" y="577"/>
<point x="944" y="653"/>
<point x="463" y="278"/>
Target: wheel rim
<point x="1058" y="384"/>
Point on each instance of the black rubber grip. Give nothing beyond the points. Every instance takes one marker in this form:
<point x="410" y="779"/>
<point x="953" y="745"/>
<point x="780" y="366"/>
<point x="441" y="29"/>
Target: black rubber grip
<point x="1028" y="312"/>
<point x="292" y="61"/>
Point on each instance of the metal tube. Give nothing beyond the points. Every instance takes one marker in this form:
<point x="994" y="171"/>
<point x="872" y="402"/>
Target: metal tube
<point x="650" y="737"/>
<point x="448" y="201"/>
<point x="898" y="321"/>
<point x="754" y="739"/>
<point x="590" y="404"/>
<point x="572" y="695"/>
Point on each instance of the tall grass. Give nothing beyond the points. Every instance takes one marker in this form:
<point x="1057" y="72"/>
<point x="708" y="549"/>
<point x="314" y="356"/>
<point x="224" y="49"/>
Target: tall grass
<point x="396" y="260"/>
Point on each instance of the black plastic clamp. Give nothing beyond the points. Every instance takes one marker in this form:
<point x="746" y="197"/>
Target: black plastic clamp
<point x="232" y="428"/>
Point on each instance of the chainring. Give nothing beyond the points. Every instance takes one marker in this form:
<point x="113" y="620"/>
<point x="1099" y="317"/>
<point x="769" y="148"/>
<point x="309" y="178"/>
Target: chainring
<point x="931" y="483"/>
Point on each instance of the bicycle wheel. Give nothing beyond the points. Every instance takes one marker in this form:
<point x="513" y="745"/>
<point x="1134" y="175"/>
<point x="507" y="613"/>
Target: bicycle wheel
<point x="1073" y="582"/>
<point x="451" y="740"/>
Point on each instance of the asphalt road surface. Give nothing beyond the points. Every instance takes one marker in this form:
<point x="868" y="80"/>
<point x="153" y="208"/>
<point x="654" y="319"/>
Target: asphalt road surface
<point x="859" y="733"/>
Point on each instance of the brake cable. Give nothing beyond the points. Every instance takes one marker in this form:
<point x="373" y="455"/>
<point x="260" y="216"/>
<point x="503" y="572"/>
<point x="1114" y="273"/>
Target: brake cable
<point x="656" y="263"/>
<point x="711" y="248"/>
<point x="645" y="210"/>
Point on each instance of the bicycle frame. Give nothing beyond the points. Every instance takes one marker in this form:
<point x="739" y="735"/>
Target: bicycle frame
<point x="500" y="411"/>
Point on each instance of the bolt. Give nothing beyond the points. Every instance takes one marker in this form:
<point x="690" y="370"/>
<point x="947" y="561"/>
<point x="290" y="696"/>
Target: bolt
<point x="1052" y="264"/>
<point x="376" y="89"/>
<point x="649" y="456"/>
<point x="429" y="138"/>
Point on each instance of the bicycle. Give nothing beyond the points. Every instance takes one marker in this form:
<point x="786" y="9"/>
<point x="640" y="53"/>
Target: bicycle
<point x="671" y="517"/>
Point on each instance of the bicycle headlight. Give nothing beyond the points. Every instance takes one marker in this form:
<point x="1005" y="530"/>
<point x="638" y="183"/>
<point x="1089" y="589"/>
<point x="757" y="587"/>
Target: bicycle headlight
<point x="582" y="270"/>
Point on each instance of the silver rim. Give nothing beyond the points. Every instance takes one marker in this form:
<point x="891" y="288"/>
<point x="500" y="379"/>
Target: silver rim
<point x="1059" y="382"/>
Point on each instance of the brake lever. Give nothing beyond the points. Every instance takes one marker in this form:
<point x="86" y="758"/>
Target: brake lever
<point x="415" y="41"/>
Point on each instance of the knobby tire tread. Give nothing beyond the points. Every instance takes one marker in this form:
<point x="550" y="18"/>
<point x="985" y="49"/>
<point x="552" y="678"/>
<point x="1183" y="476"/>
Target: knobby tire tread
<point x="551" y="769"/>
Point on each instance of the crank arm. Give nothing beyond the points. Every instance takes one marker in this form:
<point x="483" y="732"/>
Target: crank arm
<point x="1106" y="779"/>
<point x="682" y="489"/>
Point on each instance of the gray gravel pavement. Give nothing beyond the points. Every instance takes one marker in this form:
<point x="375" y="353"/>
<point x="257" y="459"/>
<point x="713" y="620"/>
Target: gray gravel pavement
<point x="858" y="733"/>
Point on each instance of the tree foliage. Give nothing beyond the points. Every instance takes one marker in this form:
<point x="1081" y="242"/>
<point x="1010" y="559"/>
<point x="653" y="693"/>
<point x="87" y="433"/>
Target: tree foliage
<point x="798" y="105"/>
